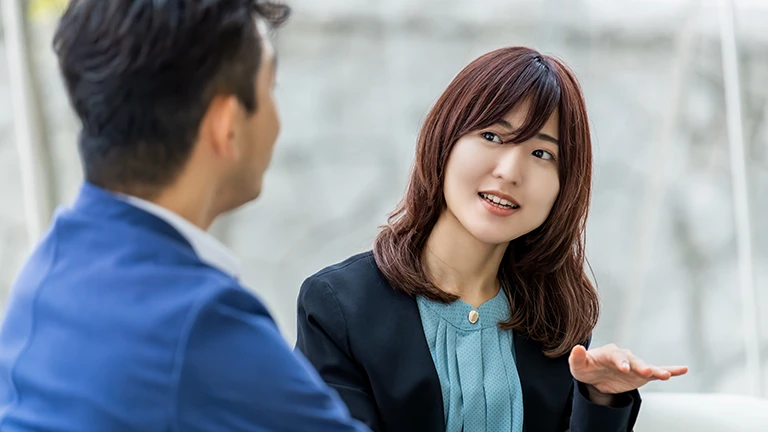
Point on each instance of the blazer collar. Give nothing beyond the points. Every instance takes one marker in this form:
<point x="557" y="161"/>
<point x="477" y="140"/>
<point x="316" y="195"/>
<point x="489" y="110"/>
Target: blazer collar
<point x="101" y="204"/>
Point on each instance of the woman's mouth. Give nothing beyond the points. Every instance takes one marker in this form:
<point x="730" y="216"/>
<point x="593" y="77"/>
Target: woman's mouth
<point x="498" y="202"/>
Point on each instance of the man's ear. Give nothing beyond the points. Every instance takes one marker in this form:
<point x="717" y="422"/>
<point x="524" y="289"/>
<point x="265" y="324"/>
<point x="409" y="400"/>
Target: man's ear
<point x="219" y="126"/>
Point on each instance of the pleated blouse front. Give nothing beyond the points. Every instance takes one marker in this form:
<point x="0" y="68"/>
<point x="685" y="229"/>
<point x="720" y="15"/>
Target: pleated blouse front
<point x="475" y="363"/>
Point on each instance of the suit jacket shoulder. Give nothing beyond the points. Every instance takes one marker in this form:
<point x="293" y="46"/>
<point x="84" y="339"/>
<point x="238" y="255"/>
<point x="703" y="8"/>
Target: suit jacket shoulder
<point x="366" y="341"/>
<point x="358" y="286"/>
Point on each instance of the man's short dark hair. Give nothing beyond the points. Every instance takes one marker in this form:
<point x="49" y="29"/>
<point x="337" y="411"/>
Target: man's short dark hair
<point x="141" y="74"/>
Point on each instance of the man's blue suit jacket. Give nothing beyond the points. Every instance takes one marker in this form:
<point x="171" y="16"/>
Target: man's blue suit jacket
<point x="115" y="325"/>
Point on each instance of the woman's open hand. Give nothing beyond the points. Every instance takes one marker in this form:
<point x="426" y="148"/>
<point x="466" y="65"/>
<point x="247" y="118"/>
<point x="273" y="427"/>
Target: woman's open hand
<point x="611" y="370"/>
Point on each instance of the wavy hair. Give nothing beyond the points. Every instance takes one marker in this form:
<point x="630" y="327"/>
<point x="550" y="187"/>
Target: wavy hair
<point x="552" y="300"/>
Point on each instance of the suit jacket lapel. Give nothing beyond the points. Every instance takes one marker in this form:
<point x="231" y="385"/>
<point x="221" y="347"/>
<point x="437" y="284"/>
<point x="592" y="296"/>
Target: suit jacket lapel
<point x="546" y="384"/>
<point x="420" y="357"/>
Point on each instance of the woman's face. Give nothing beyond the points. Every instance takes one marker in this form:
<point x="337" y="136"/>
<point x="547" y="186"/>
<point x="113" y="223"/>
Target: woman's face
<point x="499" y="192"/>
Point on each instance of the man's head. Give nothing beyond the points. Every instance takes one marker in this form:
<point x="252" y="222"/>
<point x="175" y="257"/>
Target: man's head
<point x="163" y="87"/>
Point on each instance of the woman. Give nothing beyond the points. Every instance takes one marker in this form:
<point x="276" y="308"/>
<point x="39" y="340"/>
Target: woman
<point x="473" y="312"/>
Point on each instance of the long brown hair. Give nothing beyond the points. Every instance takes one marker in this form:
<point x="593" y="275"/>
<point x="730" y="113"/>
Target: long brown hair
<point x="552" y="300"/>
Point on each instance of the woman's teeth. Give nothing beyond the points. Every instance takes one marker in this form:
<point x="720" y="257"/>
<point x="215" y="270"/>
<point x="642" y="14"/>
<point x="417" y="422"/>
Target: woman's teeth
<point x="498" y="202"/>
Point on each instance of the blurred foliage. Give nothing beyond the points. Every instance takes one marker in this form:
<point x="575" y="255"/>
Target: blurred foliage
<point x="41" y="8"/>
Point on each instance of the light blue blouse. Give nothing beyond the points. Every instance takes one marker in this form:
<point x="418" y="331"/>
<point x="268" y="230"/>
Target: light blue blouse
<point x="475" y="362"/>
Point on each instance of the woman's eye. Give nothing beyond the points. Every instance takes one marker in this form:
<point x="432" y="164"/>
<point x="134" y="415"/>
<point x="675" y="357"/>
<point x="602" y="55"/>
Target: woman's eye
<point x="543" y="154"/>
<point x="490" y="136"/>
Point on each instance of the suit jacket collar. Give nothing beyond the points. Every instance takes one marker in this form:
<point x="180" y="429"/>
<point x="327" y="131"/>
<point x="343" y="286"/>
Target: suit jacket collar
<point x="102" y="204"/>
<point x="208" y="248"/>
<point x="95" y="202"/>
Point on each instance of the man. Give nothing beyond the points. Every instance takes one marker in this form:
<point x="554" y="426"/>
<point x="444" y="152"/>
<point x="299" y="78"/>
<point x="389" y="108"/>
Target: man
<point x="128" y="316"/>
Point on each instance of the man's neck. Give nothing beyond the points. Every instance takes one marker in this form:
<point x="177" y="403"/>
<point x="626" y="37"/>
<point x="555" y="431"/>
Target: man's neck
<point x="192" y="198"/>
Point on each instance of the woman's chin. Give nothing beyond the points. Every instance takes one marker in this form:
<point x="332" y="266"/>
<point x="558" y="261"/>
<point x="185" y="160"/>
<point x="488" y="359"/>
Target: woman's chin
<point x="491" y="236"/>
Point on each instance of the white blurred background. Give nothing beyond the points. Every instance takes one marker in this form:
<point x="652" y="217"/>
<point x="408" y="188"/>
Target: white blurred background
<point x="356" y="78"/>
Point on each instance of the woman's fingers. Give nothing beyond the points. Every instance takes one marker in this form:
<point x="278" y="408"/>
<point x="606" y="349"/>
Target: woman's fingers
<point x="578" y="357"/>
<point x="620" y="359"/>
<point x="640" y="367"/>
<point x="676" y="370"/>
<point x="611" y="357"/>
<point x="614" y="370"/>
<point x="661" y="373"/>
<point x="666" y="372"/>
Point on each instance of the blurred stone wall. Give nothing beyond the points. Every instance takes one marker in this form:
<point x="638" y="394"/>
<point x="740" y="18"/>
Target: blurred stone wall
<point x="357" y="77"/>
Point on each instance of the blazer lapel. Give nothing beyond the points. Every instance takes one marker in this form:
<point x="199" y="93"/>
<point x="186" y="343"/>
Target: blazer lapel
<point x="546" y="384"/>
<point x="419" y="358"/>
<point x="403" y="377"/>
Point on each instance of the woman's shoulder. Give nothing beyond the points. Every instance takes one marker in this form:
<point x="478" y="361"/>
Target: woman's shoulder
<point x="348" y="274"/>
<point x="362" y="265"/>
<point x="353" y="282"/>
